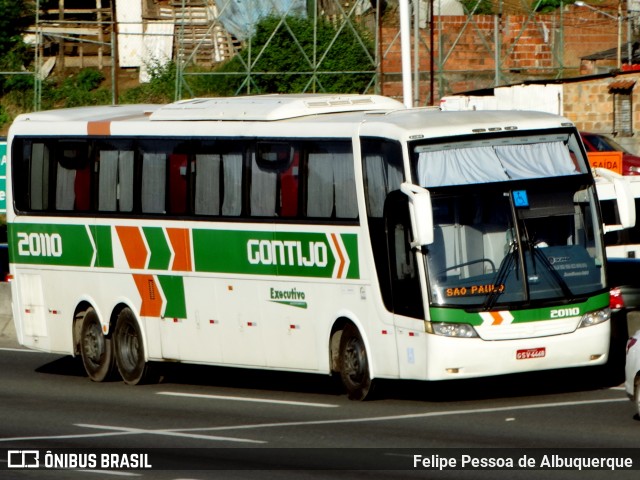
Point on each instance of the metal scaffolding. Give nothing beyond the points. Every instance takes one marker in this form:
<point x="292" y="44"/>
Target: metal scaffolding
<point x="200" y="40"/>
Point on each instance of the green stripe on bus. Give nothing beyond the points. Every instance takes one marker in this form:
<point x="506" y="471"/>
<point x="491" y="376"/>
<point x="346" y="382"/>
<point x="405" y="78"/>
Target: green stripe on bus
<point x="160" y="251"/>
<point x="102" y="239"/>
<point x="45" y="244"/>
<point x="457" y="315"/>
<point x="173" y="289"/>
<point x="298" y="254"/>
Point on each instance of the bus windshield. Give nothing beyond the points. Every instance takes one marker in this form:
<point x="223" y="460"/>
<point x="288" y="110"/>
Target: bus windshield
<point x="517" y="235"/>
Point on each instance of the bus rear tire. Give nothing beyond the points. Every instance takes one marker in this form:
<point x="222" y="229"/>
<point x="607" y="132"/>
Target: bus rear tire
<point x="96" y="350"/>
<point x="354" y="364"/>
<point x="129" y="350"/>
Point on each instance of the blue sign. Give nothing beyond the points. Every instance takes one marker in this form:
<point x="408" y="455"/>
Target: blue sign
<point x="520" y="198"/>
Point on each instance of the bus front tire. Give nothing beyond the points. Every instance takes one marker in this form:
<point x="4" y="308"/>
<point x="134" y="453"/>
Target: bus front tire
<point x="129" y="350"/>
<point x="95" y="349"/>
<point x="354" y="364"/>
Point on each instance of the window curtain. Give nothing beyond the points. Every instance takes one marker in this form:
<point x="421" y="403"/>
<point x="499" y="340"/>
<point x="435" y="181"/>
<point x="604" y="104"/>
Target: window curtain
<point x="65" y="188"/>
<point x="108" y="181"/>
<point x="320" y="185"/>
<point x="263" y="191"/>
<point x="232" y="178"/>
<point x="125" y="180"/>
<point x="154" y="167"/>
<point x="345" y="185"/>
<point x="39" y="181"/>
<point x="207" y="194"/>
<point x="115" y="181"/>
<point x="536" y="160"/>
<point x="494" y="164"/>
<point x="331" y="184"/>
<point x="381" y="178"/>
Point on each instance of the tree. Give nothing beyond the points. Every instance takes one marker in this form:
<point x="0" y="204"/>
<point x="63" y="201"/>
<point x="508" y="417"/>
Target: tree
<point x="15" y="16"/>
<point x="293" y="55"/>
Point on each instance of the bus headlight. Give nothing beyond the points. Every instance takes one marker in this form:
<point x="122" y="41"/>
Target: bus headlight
<point x="460" y="330"/>
<point x="595" y="318"/>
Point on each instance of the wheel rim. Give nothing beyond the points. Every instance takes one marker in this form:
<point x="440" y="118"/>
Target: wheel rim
<point x="355" y="362"/>
<point x="94" y="346"/>
<point x="129" y="348"/>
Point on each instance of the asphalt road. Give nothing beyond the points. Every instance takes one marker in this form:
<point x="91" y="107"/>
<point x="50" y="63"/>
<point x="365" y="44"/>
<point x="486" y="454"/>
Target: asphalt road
<point x="208" y="422"/>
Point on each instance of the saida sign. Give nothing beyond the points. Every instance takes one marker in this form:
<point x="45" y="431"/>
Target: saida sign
<point x="608" y="160"/>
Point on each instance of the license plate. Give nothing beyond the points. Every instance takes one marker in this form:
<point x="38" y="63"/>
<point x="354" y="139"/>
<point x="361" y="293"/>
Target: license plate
<point x="531" y="353"/>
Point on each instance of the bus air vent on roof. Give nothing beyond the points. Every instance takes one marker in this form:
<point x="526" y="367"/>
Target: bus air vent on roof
<point x="271" y="107"/>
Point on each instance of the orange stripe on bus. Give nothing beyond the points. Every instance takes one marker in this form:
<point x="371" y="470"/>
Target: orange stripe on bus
<point x="497" y="318"/>
<point x="151" y="297"/>
<point x="133" y="245"/>
<point x="340" y="256"/>
<point x="180" y="241"/>
<point x="99" y="128"/>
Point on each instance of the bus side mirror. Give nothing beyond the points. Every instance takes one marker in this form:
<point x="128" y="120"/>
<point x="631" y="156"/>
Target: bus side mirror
<point x="625" y="201"/>
<point x="421" y="213"/>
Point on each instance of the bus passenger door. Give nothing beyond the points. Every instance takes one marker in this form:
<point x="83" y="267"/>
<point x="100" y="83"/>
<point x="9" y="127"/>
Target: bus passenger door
<point x="406" y="290"/>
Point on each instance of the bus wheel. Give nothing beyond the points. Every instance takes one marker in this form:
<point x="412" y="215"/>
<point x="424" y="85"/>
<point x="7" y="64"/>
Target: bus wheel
<point x="354" y="365"/>
<point x="129" y="350"/>
<point x="96" y="349"/>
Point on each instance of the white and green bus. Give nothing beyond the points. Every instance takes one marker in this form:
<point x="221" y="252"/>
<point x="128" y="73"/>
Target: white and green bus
<point x="341" y="235"/>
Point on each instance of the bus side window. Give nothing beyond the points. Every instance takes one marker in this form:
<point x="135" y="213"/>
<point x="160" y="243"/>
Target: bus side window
<point x="178" y="181"/>
<point x="263" y="190"/>
<point x="289" y="188"/>
<point x="154" y="168"/>
<point x="115" y="180"/>
<point x="207" y="184"/>
<point x="73" y="176"/>
<point x="331" y="184"/>
<point x="39" y="177"/>
<point x="232" y="184"/>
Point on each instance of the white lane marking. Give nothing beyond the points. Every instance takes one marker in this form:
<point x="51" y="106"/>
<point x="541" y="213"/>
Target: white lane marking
<point x="407" y="416"/>
<point x="119" y="431"/>
<point x="63" y="437"/>
<point x="249" y="399"/>
<point x="185" y="432"/>
<point x="170" y="433"/>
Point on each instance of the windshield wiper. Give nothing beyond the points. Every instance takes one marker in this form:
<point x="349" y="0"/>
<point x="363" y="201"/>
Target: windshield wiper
<point x="503" y="272"/>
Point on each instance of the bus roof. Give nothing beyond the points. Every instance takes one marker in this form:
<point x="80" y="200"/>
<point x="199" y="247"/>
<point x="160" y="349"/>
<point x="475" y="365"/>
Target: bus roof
<point x="338" y="115"/>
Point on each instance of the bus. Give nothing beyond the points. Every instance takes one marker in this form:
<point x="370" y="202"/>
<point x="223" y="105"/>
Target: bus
<point x="623" y="261"/>
<point x="343" y="235"/>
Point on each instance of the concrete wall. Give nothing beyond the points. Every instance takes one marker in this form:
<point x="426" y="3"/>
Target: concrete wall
<point x="529" y="47"/>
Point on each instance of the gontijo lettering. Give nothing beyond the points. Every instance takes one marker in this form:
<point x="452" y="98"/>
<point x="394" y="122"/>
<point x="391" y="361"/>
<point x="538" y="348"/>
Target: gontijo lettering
<point x="288" y="252"/>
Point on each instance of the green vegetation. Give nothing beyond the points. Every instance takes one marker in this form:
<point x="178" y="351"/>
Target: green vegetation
<point x="277" y="46"/>
<point x="295" y="45"/>
<point x="478" y="7"/>
<point x="344" y="63"/>
<point x="160" y="89"/>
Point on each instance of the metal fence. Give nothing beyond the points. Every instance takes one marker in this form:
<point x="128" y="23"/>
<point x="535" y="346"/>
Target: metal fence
<point x="203" y="37"/>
